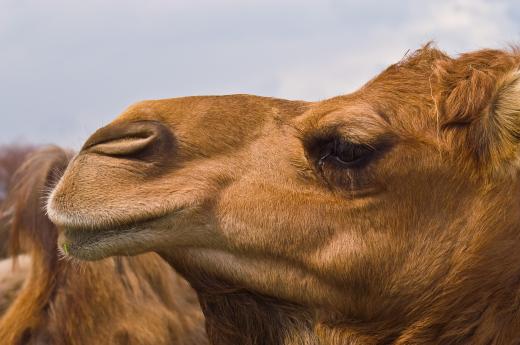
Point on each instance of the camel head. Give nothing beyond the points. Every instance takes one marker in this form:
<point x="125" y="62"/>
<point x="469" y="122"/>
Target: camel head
<point x="388" y="214"/>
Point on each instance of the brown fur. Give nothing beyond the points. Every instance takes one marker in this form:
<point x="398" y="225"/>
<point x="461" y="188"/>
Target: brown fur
<point x="11" y="157"/>
<point x="416" y="243"/>
<point x="138" y="300"/>
<point x="12" y="272"/>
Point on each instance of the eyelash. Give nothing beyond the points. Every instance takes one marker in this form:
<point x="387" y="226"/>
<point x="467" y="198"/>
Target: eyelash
<point x="344" y="154"/>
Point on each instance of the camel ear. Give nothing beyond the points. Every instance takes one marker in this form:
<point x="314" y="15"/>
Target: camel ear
<point x="481" y="92"/>
<point x="505" y="115"/>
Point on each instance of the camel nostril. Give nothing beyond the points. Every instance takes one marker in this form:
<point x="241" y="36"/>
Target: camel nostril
<point x="122" y="147"/>
<point x="138" y="140"/>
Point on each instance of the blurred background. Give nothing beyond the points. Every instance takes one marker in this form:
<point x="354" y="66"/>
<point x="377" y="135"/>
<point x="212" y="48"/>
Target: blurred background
<point x="68" y="67"/>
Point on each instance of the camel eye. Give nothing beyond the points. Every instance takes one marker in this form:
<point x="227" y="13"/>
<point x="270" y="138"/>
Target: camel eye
<point x="345" y="154"/>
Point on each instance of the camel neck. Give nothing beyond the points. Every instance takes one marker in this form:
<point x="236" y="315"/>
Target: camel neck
<point x="474" y="301"/>
<point x="243" y="318"/>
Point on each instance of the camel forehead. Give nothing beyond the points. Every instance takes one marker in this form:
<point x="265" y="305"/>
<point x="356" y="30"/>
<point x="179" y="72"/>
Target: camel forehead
<point x="165" y="110"/>
<point x="217" y="106"/>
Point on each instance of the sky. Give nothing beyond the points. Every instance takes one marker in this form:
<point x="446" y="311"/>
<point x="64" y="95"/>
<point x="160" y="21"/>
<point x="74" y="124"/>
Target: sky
<point x="68" y="67"/>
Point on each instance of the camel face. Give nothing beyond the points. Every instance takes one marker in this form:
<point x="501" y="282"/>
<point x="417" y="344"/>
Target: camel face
<point x="356" y="202"/>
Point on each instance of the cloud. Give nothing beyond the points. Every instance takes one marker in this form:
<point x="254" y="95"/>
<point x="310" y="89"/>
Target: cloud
<point x="69" y="66"/>
<point x="455" y="26"/>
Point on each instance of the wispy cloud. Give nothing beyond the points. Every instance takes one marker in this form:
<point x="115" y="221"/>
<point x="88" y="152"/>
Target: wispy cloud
<point x="456" y="26"/>
<point x="68" y="66"/>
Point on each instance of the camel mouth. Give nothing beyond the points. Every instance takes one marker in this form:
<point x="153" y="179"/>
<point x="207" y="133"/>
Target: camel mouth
<point x="92" y="241"/>
<point x="92" y="244"/>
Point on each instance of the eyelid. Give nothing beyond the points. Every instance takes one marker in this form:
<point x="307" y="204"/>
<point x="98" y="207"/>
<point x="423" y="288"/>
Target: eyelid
<point x="367" y="153"/>
<point x="365" y="133"/>
<point x="319" y="154"/>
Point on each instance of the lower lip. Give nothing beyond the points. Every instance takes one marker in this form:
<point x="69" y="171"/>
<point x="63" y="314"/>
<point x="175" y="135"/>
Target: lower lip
<point x="71" y="240"/>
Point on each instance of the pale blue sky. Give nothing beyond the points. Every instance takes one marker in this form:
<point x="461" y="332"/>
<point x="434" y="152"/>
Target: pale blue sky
<point x="69" y="66"/>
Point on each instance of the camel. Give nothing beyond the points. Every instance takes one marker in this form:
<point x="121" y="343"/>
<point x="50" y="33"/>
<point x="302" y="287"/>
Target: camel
<point x="12" y="274"/>
<point x="385" y="216"/>
<point x="11" y="157"/>
<point x="123" y="300"/>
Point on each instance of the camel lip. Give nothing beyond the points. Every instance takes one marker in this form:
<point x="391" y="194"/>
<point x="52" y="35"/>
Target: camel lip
<point x="86" y="243"/>
<point x="82" y="236"/>
<point x="97" y="241"/>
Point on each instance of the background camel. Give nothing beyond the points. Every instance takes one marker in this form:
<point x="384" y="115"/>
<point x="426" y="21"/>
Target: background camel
<point x="11" y="157"/>
<point x="389" y="215"/>
<point x="138" y="300"/>
<point x="11" y="278"/>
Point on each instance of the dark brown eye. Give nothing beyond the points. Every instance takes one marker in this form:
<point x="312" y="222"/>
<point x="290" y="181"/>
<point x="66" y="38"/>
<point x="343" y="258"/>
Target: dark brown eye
<point x="345" y="154"/>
